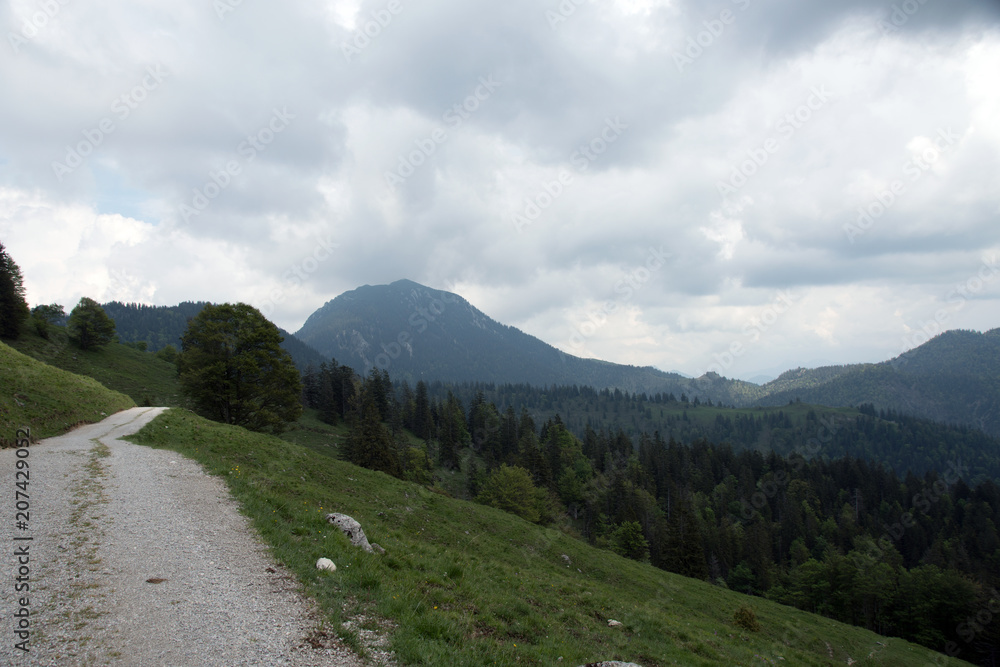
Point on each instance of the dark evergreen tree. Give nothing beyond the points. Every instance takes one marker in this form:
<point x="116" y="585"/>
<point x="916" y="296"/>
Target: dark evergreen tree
<point x="685" y="551"/>
<point x="423" y="420"/>
<point x="452" y="433"/>
<point x="370" y="444"/>
<point x="13" y="306"/>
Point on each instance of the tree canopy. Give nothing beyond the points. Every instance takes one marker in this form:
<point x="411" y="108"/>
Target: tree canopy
<point x="511" y="489"/>
<point x="89" y="326"/>
<point x="13" y="306"/>
<point x="50" y="313"/>
<point x="233" y="368"/>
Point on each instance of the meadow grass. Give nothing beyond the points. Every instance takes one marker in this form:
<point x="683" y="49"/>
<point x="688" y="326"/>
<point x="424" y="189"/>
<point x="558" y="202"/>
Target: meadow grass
<point x="464" y="584"/>
<point x="148" y="379"/>
<point x="48" y="400"/>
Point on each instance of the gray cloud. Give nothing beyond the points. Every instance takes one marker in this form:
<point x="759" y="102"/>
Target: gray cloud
<point x="686" y="120"/>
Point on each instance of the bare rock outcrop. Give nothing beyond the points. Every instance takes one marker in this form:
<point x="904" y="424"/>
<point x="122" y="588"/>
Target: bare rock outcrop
<point x="355" y="533"/>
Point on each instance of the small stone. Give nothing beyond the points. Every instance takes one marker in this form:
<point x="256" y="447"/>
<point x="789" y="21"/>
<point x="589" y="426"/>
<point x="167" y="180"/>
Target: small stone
<point x="614" y="624"/>
<point x="325" y="564"/>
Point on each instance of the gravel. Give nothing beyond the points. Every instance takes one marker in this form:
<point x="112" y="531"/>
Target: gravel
<point x="140" y="558"/>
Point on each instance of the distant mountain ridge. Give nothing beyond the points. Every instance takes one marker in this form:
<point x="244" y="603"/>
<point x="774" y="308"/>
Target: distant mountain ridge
<point x="419" y="333"/>
<point x="952" y="378"/>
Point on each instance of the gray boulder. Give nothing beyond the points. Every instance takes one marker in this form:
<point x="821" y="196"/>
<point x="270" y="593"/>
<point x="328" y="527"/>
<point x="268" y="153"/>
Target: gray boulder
<point x="352" y="529"/>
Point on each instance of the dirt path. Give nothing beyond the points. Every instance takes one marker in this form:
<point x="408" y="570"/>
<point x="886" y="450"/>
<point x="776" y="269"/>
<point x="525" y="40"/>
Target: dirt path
<point x="139" y="558"/>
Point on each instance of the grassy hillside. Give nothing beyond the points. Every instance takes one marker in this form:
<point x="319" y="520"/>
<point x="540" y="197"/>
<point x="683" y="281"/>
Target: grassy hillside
<point x="47" y="399"/>
<point x="463" y="584"/>
<point x="314" y="434"/>
<point x="142" y="375"/>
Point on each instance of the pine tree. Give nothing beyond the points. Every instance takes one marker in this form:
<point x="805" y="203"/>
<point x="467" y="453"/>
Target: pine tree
<point x="685" y="550"/>
<point x="453" y="433"/>
<point x="370" y="444"/>
<point x="13" y="306"/>
<point x="423" y="421"/>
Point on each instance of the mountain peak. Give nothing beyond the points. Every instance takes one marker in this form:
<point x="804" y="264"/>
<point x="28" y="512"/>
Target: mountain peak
<point x="417" y="332"/>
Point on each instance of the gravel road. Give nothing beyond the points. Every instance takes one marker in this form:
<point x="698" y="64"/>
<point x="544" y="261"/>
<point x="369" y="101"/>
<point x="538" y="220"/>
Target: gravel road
<point x="140" y="558"/>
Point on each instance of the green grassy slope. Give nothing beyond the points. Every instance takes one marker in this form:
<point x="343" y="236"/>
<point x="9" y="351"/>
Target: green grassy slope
<point x="47" y="399"/>
<point x="463" y="584"/>
<point x="141" y="375"/>
<point x="314" y="434"/>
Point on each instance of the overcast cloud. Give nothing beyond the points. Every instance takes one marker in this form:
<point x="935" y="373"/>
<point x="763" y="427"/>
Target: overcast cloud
<point x="731" y="185"/>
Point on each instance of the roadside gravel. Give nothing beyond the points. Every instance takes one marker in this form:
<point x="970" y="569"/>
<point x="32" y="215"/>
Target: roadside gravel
<point x="140" y="558"/>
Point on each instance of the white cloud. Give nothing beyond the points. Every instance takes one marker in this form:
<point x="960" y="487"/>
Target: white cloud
<point x="837" y="108"/>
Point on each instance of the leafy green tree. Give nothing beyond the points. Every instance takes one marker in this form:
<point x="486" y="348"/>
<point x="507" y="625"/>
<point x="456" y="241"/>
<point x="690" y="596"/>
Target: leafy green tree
<point x="51" y="313"/>
<point x="44" y="316"/>
<point x="233" y="368"/>
<point x="89" y="326"/>
<point x="168" y="353"/>
<point x="628" y="541"/>
<point x="511" y="489"/>
<point x="13" y="306"/>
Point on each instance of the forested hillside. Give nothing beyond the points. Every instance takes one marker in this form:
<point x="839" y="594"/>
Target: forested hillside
<point x="901" y="442"/>
<point x="952" y="378"/>
<point x="418" y="333"/>
<point x="904" y="554"/>
<point x="159" y="326"/>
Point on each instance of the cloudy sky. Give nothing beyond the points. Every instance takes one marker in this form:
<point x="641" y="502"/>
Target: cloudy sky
<point x="741" y="186"/>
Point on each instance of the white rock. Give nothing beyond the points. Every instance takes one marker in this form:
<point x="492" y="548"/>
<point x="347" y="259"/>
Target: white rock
<point x="326" y="564"/>
<point x="614" y="624"/>
<point x="351" y="528"/>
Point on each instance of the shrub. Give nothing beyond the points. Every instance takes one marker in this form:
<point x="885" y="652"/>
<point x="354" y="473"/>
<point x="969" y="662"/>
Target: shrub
<point x="746" y="618"/>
